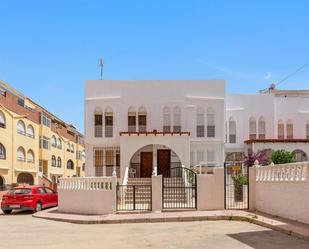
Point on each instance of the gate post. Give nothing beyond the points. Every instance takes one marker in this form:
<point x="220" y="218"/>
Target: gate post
<point x="252" y="184"/>
<point x="156" y="193"/>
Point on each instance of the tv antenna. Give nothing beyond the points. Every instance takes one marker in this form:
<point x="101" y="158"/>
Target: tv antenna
<point x="101" y="67"/>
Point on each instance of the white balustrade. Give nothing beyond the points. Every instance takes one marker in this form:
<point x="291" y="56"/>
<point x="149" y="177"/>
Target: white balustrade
<point x="87" y="183"/>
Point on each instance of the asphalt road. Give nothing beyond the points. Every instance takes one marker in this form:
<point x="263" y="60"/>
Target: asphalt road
<point x="22" y="231"/>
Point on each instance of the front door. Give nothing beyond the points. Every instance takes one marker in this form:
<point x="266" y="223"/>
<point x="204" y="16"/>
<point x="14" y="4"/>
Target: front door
<point x="146" y="164"/>
<point x="164" y="161"/>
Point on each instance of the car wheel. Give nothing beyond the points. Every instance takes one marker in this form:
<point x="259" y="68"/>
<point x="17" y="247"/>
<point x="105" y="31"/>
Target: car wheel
<point x="8" y="211"/>
<point x="38" y="207"/>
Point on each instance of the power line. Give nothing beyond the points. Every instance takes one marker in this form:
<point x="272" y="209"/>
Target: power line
<point x="292" y="74"/>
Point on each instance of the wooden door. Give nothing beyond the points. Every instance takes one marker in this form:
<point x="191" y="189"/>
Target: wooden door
<point x="146" y="164"/>
<point x="164" y="161"/>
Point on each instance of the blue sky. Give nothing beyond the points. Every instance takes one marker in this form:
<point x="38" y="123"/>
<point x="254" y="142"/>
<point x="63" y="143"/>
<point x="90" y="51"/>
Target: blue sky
<point x="48" y="48"/>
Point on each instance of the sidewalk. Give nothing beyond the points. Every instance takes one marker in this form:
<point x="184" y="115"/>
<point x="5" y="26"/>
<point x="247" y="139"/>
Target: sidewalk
<point x="286" y="226"/>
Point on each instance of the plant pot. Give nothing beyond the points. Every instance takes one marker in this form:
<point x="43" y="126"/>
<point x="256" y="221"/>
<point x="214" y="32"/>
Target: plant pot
<point x="238" y="192"/>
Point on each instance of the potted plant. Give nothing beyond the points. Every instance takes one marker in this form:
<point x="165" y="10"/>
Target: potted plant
<point x="239" y="181"/>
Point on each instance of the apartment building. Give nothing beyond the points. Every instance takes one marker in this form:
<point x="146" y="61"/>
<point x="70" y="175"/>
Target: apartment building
<point x="35" y="145"/>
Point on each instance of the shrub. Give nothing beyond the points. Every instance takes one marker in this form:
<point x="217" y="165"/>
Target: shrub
<point x="282" y="156"/>
<point x="260" y="156"/>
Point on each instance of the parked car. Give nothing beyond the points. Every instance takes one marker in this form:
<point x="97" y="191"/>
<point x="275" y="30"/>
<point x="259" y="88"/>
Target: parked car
<point x="33" y="198"/>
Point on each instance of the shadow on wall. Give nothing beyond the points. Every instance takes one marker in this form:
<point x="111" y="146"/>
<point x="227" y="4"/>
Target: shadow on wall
<point x="269" y="239"/>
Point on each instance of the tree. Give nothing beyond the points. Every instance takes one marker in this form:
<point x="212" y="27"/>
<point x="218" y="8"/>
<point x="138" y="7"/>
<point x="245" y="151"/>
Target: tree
<point x="260" y="156"/>
<point x="282" y="156"/>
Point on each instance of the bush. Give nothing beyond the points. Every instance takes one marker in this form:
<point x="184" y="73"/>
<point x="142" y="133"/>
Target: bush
<point x="260" y="156"/>
<point x="282" y="156"/>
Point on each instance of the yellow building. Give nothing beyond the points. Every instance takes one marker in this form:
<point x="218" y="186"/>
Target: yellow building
<point x="35" y="146"/>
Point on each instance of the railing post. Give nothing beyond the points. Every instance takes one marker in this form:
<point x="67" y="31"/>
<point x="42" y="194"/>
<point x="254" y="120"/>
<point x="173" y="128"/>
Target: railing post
<point x="133" y="197"/>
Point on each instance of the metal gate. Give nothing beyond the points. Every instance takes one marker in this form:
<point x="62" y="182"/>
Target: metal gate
<point x="134" y="197"/>
<point x="236" y="185"/>
<point x="179" y="189"/>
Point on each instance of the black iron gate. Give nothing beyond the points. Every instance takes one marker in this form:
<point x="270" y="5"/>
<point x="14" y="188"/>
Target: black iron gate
<point x="134" y="197"/>
<point x="179" y="189"/>
<point x="236" y="185"/>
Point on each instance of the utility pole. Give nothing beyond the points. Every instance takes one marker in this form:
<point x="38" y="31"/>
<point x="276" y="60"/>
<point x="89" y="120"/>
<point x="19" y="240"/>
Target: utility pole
<point x="101" y="66"/>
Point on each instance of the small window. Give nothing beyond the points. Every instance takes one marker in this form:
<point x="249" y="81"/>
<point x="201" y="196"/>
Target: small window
<point x="177" y="119"/>
<point x="289" y="129"/>
<point x="2" y="120"/>
<point x="53" y="141"/>
<point x="21" y="127"/>
<point x="30" y="156"/>
<point x="98" y="123"/>
<point x="45" y="120"/>
<point x="40" y="191"/>
<point x="53" y="161"/>
<point x="142" y="119"/>
<point x="59" y="144"/>
<point x="232" y="130"/>
<point x="262" y="128"/>
<point x="59" y="162"/>
<point x="2" y="152"/>
<point x="108" y="123"/>
<point x="21" y="154"/>
<point x="166" y="119"/>
<point x="30" y="131"/>
<point x="70" y="164"/>
<point x="44" y="142"/>
<point x="211" y="128"/>
<point x="280" y="130"/>
<point x="131" y="119"/>
<point x="48" y="191"/>
<point x="200" y="123"/>
<point x="252" y="128"/>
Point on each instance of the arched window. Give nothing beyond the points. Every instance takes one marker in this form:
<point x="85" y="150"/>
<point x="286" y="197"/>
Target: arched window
<point x="200" y="122"/>
<point x="300" y="156"/>
<point x="307" y="129"/>
<point x="59" y="144"/>
<point x="2" y="120"/>
<point x="232" y="130"/>
<point x="21" y="154"/>
<point x="132" y="119"/>
<point x="262" y="128"/>
<point x="289" y="129"/>
<point x="177" y="119"/>
<point x="30" y="131"/>
<point x="2" y="152"/>
<point x="30" y="156"/>
<point x="83" y="155"/>
<point x="109" y="122"/>
<point x="142" y="119"/>
<point x="280" y="129"/>
<point x="53" y="161"/>
<point x="72" y="148"/>
<point x="59" y="162"/>
<point x="211" y="127"/>
<point x="252" y="128"/>
<point x="166" y="119"/>
<point x="21" y="127"/>
<point x="68" y="147"/>
<point x="54" y="141"/>
<point x="70" y="164"/>
<point x="98" y="122"/>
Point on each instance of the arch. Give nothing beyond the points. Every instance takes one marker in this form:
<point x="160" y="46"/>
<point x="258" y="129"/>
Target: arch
<point x="252" y="128"/>
<point x="21" y="128"/>
<point x="54" y="141"/>
<point x="70" y="164"/>
<point x="2" y="152"/>
<point x="53" y="161"/>
<point x="2" y="120"/>
<point x="142" y="119"/>
<point x="166" y="119"/>
<point x="262" y="128"/>
<point x="211" y="126"/>
<point x="59" y="143"/>
<point x="30" y="156"/>
<point x="142" y="110"/>
<point x="26" y="178"/>
<point x="232" y="130"/>
<point x="59" y="162"/>
<point x="177" y="119"/>
<point x="300" y="155"/>
<point x="2" y="183"/>
<point x="289" y="129"/>
<point x="98" y="110"/>
<point x="280" y="128"/>
<point x="21" y="154"/>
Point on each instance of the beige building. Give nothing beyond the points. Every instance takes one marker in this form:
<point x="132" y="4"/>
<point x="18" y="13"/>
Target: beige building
<point x="35" y="146"/>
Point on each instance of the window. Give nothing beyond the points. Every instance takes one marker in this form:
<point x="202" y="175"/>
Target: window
<point x="200" y="123"/>
<point x="53" y="141"/>
<point x="72" y="148"/>
<point x="40" y="191"/>
<point x="44" y="142"/>
<point x="59" y="162"/>
<point x="45" y="120"/>
<point x="108" y="122"/>
<point x="142" y="119"/>
<point x="83" y="167"/>
<point x="131" y="119"/>
<point x="211" y="128"/>
<point x="2" y="120"/>
<point x="21" y="128"/>
<point x="108" y="158"/>
<point x="59" y="144"/>
<point x="289" y="129"/>
<point x="166" y="119"/>
<point x="98" y="123"/>
<point x="232" y="131"/>
<point x="68" y="147"/>
<point x="30" y="131"/>
<point x="30" y="156"/>
<point x="21" y="154"/>
<point x="252" y="128"/>
<point x="262" y="128"/>
<point x="48" y="191"/>
<point x="307" y="129"/>
<point x="177" y="119"/>
<point x="2" y="152"/>
<point x="70" y="164"/>
<point x="280" y="129"/>
<point x="53" y="161"/>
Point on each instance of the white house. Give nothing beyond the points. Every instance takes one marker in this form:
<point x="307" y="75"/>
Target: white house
<point x="141" y="127"/>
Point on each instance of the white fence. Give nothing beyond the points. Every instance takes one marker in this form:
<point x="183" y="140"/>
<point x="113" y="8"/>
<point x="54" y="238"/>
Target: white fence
<point x="86" y="183"/>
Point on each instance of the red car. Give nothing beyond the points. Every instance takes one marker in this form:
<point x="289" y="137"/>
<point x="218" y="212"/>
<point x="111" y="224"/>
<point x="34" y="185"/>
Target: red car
<point x="33" y="198"/>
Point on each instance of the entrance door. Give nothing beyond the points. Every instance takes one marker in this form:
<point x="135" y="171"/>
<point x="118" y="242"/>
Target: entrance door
<point x="164" y="161"/>
<point x="146" y="164"/>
